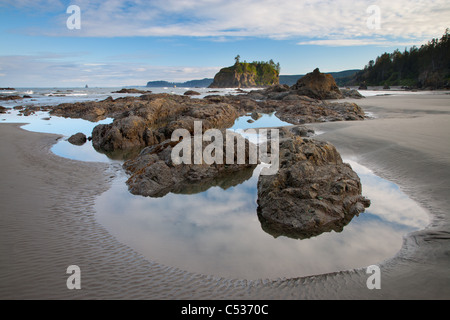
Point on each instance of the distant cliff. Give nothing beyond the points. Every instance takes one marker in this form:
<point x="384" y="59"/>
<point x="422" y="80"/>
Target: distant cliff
<point x="424" y="67"/>
<point x="247" y="75"/>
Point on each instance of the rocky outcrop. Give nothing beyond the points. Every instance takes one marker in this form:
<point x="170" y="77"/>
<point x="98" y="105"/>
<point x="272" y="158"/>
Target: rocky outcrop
<point x="318" y="85"/>
<point x="135" y="91"/>
<point x="153" y="121"/>
<point x="9" y="98"/>
<point x="3" y="109"/>
<point x="154" y="174"/>
<point x="192" y="93"/>
<point x="306" y="111"/>
<point x="313" y="192"/>
<point x="232" y="79"/>
<point x="78" y="139"/>
<point x="246" y="75"/>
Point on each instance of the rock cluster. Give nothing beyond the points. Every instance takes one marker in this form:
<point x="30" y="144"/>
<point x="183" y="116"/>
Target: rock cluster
<point x="78" y="139"/>
<point x="135" y="91"/>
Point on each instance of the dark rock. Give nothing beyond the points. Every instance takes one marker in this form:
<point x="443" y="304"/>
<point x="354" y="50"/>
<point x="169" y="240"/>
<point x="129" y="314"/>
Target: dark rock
<point x="313" y="192"/>
<point x="386" y="87"/>
<point x="318" y="85"/>
<point x="78" y="139"/>
<point x="3" y="109"/>
<point x="192" y="93"/>
<point x="136" y="91"/>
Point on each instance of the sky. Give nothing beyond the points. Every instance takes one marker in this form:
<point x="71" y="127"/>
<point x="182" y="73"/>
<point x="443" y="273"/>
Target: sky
<point x="51" y="43"/>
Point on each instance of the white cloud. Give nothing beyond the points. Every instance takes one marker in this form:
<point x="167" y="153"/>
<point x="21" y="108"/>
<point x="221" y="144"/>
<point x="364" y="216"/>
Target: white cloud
<point x="326" y="20"/>
<point x="46" y="70"/>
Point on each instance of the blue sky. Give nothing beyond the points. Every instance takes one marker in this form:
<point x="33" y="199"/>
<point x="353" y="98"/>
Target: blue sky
<point x="130" y="42"/>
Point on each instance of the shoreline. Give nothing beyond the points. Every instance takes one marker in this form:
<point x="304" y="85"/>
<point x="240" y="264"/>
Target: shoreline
<point x="112" y="270"/>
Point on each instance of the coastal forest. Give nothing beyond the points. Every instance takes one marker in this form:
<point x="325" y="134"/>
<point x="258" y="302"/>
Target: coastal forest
<point x="424" y="67"/>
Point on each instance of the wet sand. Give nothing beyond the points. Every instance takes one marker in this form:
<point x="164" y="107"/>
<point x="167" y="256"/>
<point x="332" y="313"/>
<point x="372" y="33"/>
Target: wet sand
<point x="47" y="220"/>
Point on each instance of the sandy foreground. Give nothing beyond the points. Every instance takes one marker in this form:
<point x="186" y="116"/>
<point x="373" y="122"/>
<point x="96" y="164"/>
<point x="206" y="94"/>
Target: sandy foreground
<point x="47" y="220"/>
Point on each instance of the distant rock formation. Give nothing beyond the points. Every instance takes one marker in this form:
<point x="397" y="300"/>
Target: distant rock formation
<point x="318" y="85"/>
<point x="247" y="75"/>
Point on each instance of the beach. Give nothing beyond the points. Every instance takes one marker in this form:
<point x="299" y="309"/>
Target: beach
<point x="48" y="218"/>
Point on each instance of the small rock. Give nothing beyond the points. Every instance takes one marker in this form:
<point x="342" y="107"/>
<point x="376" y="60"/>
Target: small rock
<point x="192" y="93"/>
<point x="78" y="139"/>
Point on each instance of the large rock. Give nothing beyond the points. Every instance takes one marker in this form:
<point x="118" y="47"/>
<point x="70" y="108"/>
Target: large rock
<point x="246" y="75"/>
<point x="154" y="174"/>
<point x="318" y="85"/>
<point x="313" y="192"/>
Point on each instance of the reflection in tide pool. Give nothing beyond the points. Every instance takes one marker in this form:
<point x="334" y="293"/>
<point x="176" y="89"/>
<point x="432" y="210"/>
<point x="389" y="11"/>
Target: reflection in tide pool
<point x="217" y="232"/>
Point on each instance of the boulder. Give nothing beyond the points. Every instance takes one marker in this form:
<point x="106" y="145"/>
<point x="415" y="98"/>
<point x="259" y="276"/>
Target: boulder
<point x="192" y="93"/>
<point x="3" y="109"/>
<point x="313" y="192"/>
<point x="318" y="85"/>
<point x="352" y="93"/>
<point x="78" y="139"/>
